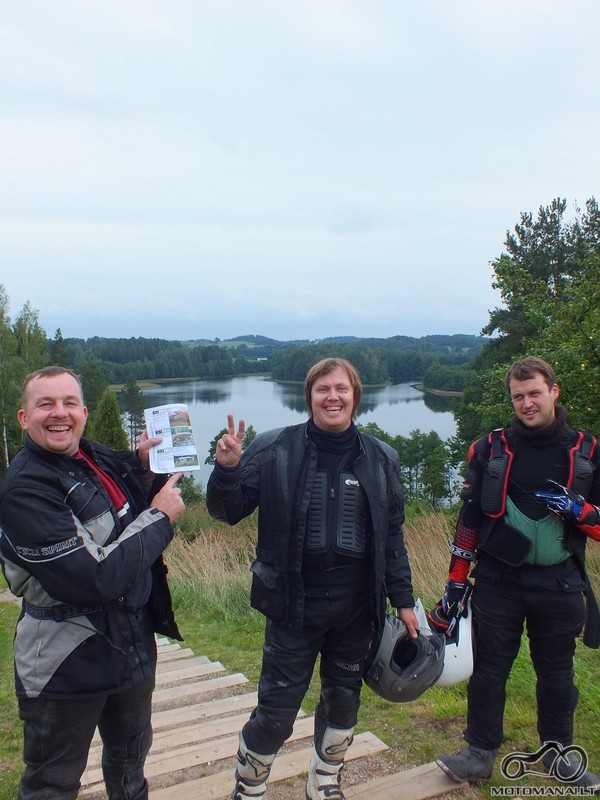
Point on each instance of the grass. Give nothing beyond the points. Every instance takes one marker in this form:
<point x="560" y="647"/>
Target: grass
<point x="10" y="725"/>
<point x="209" y="576"/>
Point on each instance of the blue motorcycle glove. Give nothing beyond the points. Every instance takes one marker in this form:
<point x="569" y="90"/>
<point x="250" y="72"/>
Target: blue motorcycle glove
<point x="565" y="502"/>
<point x="452" y="595"/>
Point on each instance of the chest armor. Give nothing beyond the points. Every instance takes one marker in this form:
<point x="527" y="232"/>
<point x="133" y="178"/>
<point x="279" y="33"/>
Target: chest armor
<point x="497" y="470"/>
<point x="337" y="515"/>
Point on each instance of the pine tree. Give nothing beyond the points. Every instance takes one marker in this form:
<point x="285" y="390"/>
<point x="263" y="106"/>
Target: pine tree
<point x="133" y="406"/>
<point x="94" y="383"/>
<point x="59" y="350"/>
<point x="107" y="425"/>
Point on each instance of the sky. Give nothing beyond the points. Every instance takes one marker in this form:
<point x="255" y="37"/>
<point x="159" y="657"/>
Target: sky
<point x="297" y="169"/>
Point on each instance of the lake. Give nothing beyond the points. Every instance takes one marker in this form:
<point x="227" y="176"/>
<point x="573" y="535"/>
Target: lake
<point x="265" y="404"/>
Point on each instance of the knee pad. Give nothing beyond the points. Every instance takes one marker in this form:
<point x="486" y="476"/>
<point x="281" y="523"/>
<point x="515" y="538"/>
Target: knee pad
<point x="339" y="705"/>
<point x="268" y="728"/>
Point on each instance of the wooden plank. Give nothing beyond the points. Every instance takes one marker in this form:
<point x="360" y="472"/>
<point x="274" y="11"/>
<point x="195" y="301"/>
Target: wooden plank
<point x="173" y="655"/>
<point x="175" y="717"/>
<point x="418" y="783"/>
<point x="167" y="648"/>
<point x="193" y="671"/>
<point x="173" y="664"/>
<point x="198" y="711"/>
<point x="162" y="696"/>
<point x="192" y="756"/>
<point x="186" y="734"/>
<point x="286" y="765"/>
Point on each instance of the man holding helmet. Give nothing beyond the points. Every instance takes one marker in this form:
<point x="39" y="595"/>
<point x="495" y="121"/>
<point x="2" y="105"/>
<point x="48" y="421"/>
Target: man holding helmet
<point x="526" y="520"/>
<point x="330" y="547"/>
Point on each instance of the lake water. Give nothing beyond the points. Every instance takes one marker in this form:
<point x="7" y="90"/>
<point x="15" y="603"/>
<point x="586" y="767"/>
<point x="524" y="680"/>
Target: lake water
<point x="265" y="404"/>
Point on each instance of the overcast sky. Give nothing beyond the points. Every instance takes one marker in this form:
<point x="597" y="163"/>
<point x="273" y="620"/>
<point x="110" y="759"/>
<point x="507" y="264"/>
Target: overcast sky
<point x="293" y="168"/>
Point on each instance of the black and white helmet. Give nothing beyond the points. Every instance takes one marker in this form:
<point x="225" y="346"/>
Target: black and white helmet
<point x="402" y="667"/>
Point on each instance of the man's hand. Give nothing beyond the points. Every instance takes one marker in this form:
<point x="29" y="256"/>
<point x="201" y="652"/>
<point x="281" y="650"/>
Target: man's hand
<point x="144" y="448"/>
<point x="229" y="446"/>
<point x="168" y="500"/>
<point x="408" y="617"/>
<point x="452" y="596"/>
<point x="563" y="501"/>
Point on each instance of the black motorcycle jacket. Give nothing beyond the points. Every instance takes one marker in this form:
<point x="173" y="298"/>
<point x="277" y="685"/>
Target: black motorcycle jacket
<point x="93" y="581"/>
<point x="276" y="474"/>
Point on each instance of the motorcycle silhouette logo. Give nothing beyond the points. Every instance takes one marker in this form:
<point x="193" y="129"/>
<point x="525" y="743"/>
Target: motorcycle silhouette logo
<point x="566" y="763"/>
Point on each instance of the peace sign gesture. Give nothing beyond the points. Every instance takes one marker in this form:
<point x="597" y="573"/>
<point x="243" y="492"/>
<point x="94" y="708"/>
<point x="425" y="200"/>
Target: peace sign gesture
<point x="229" y="446"/>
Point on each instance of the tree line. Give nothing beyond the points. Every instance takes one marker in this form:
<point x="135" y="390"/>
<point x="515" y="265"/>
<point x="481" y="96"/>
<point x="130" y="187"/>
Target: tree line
<point x="377" y="365"/>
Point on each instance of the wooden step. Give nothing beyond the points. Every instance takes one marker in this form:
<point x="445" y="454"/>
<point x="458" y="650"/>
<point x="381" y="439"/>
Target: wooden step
<point x="174" y="655"/>
<point x="167" y="648"/>
<point x="418" y="783"/>
<point x="198" y="711"/>
<point x="170" y="739"/>
<point x="286" y="765"/>
<point x="175" y="717"/>
<point x="162" y="697"/>
<point x="173" y="664"/>
<point x="188" y="670"/>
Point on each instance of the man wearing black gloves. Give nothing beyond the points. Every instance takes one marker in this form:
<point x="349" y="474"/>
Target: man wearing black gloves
<point x="83" y="530"/>
<point x="330" y="547"/>
<point x="525" y="520"/>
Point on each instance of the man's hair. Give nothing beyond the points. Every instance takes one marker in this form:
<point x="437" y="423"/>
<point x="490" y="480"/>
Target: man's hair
<point x="324" y="367"/>
<point x="47" y="372"/>
<point x="527" y="368"/>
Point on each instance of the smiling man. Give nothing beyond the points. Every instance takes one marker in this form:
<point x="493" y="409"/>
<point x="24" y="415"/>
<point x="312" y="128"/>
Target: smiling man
<point x="527" y="535"/>
<point x="330" y="547"/>
<point x="83" y="531"/>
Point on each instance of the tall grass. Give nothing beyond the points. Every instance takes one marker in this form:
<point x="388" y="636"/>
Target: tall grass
<point x="212" y="561"/>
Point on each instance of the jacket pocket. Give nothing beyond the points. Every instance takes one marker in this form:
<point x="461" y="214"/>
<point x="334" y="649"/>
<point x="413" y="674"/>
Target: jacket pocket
<point x="267" y="593"/>
<point x="86" y="502"/>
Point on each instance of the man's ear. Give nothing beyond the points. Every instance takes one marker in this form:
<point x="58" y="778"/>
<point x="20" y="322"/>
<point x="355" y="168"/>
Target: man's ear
<point x="22" y="417"/>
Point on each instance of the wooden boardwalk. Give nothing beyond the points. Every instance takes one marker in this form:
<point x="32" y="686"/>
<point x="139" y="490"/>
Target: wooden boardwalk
<point x="198" y="711"/>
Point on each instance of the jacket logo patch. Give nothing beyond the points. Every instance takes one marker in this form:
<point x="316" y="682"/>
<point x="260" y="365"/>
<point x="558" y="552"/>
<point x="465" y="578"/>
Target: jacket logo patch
<point x="48" y="550"/>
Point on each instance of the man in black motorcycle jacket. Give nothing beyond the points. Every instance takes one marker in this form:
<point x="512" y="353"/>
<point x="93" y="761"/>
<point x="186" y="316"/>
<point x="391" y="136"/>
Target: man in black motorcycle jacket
<point x="83" y="528"/>
<point x="330" y="548"/>
<point x="525" y="521"/>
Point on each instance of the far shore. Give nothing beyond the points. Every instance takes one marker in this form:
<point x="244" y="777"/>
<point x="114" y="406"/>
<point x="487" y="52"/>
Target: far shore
<point x="149" y="384"/>
<point x="437" y="392"/>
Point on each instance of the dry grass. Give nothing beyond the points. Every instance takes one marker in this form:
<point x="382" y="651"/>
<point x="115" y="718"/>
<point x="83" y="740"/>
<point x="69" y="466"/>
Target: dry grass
<point x="427" y="538"/>
<point x="215" y="568"/>
<point x="216" y="561"/>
